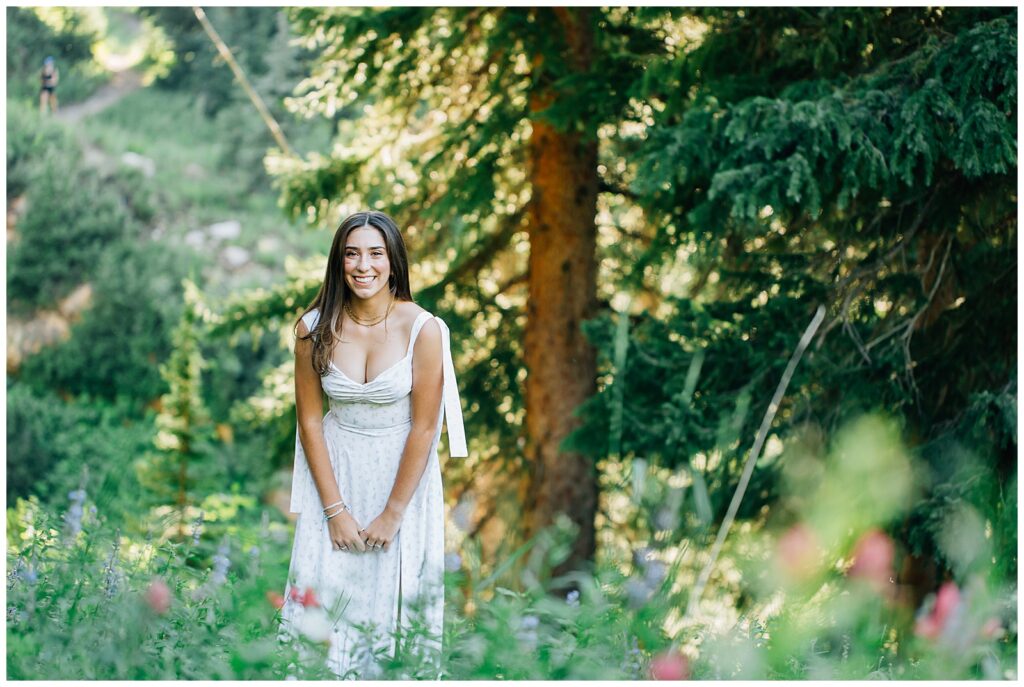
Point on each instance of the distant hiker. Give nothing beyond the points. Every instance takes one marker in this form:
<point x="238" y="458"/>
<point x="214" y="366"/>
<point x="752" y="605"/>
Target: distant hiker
<point x="48" y="78"/>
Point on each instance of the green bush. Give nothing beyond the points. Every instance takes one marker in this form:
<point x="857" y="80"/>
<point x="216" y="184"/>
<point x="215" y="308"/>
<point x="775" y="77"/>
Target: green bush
<point x="115" y="350"/>
<point x="29" y="136"/>
<point x="73" y="217"/>
<point x="50" y="442"/>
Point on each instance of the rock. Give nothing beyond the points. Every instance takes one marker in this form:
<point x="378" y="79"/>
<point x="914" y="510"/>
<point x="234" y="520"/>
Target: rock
<point x="141" y="162"/>
<point x="234" y="257"/>
<point x="225" y="231"/>
<point x="195" y="238"/>
<point x="27" y="338"/>
<point x="268" y="244"/>
<point x="15" y="211"/>
<point x="75" y="302"/>
<point x="195" y="171"/>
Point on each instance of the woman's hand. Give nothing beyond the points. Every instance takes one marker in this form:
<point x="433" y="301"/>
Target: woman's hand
<point x="344" y="531"/>
<point x="381" y="532"/>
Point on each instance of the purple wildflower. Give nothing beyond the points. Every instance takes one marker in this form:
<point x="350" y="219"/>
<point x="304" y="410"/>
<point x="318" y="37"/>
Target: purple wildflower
<point x="221" y="564"/>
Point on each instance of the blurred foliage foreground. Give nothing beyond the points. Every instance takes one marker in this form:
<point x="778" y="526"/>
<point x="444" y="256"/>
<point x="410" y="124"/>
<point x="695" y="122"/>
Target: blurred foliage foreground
<point x="85" y="601"/>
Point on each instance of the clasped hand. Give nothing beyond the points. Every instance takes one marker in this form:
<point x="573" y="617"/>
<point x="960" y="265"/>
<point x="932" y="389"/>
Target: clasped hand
<point x="377" y="536"/>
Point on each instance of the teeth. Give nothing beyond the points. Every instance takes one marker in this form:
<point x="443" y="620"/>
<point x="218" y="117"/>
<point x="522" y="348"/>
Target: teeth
<point x="363" y="280"/>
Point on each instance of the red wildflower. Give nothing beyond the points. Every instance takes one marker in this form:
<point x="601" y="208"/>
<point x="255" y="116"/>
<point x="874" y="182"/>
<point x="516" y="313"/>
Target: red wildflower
<point x="275" y="599"/>
<point x="306" y="598"/>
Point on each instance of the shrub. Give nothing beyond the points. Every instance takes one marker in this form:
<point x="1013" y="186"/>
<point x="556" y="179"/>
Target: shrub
<point x="115" y="350"/>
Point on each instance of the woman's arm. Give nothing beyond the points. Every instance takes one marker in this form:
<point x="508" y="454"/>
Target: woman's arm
<point x="427" y="389"/>
<point x="343" y="528"/>
<point x="309" y="416"/>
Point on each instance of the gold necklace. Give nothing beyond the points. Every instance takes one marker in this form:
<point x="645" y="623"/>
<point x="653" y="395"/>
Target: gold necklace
<point x="368" y="323"/>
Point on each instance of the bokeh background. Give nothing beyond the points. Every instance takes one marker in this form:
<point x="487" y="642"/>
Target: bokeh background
<point x="628" y="217"/>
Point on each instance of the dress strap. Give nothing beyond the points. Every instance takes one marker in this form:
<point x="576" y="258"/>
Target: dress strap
<point x="452" y="406"/>
<point x="417" y="325"/>
<point x="311" y="318"/>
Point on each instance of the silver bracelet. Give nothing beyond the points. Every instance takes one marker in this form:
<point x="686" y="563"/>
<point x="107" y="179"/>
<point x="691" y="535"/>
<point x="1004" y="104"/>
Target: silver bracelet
<point x="343" y="509"/>
<point x="336" y="503"/>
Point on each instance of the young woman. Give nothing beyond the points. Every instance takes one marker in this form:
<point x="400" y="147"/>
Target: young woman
<point x="368" y="556"/>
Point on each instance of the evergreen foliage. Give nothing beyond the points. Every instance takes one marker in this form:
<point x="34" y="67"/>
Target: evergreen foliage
<point x="886" y="192"/>
<point x="183" y="423"/>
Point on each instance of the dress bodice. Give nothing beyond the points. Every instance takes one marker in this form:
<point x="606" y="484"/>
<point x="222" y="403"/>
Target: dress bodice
<point x="384" y="403"/>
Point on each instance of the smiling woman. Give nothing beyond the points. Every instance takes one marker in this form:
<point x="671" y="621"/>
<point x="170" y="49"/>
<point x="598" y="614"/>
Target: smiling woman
<point x="368" y="556"/>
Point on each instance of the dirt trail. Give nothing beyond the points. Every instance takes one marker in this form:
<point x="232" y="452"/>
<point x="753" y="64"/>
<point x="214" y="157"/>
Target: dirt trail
<point x="123" y="83"/>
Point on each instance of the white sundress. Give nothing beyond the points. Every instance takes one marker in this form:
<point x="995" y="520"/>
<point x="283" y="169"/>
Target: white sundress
<point x="366" y="598"/>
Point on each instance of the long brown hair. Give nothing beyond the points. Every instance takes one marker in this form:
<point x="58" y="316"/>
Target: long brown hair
<point x="334" y="292"/>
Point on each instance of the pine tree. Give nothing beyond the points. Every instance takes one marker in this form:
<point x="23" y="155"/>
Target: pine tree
<point x="183" y="423"/>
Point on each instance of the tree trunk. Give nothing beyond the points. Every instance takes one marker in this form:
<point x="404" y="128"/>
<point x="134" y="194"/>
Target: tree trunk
<point x="562" y="293"/>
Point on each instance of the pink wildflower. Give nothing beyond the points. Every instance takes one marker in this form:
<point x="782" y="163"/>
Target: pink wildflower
<point x="798" y="552"/>
<point x="669" y="665"/>
<point x="992" y="629"/>
<point x="946" y="601"/>
<point x="158" y="596"/>
<point x="873" y="555"/>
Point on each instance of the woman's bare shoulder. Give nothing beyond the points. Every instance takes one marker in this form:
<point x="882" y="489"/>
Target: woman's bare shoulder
<point x="410" y="311"/>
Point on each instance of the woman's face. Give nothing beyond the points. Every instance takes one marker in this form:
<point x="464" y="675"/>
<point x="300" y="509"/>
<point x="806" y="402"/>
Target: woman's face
<point x="367" y="267"/>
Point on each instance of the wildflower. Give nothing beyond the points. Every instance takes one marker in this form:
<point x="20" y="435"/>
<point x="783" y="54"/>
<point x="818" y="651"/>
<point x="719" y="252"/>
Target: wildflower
<point x="935" y="621"/>
<point x="314" y="624"/>
<point x="275" y="599"/>
<point x="797" y="552"/>
<point x="872" y="559"/>
<point x="655" y="573"/>
<point x="158" y="596"/>
<point x="73" y="518"/>
<point x="462" y="514"/>
<point x="573" y="598"/>
<point x="637" y="592"/>
<point x="14" y="574"/>
<point x="221" y="564"/>
<point x="110" y="574"/>
<point x="631" y="661"/>
<point x="197" y="529"/>
<point x="305" y="599"/>
<point x="665" y="518"/>
<point x="669" y="665"/>
<point x="452" y="562"/>
<point x="992" y="629"/>
<point x="527" y="634"/>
